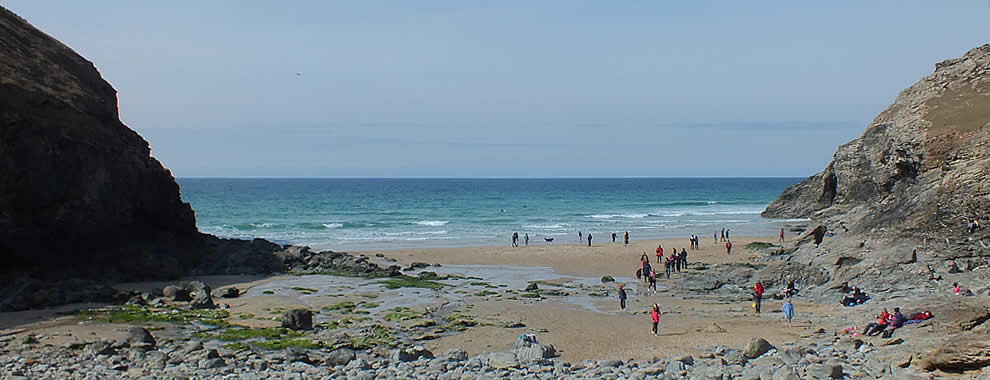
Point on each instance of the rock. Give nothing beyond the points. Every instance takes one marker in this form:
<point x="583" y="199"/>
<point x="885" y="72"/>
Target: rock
<point x="212" y="363"/>
<point x="294" y="354"/>
<point x="455" y="355"/>
<point x="297" y="319"/>
<point x="176" y="293"/>
<point x="756" y="347"/>
<point x="192" y="346"/>
<point x="230" y="292"/>
<point x="825" y="371"/>
<point x="340" y="356"/>
<point x="607" y="279"/>
<point x="610" y="363"/>
<point x="139" y="337"/>
<point x="968" y="352"/>
<point x="532" y="287"/>
<point x="502" y="360"/>
<point x="411" y="354"/>
<point x="528" y="352"/>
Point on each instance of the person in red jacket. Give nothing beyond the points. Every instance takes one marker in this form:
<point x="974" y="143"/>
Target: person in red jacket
<point x="659" y="253"/>
<point x="757" y="296"/>
<point x="655" y="316"/>
<point x="883" y="319"/>
<point x="728" y="247"/>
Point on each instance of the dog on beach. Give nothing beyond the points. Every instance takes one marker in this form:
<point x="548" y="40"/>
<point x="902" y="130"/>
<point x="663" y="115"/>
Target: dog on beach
<point x="548" y="240"/>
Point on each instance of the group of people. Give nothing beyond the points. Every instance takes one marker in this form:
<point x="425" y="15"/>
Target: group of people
<point x="855" y="297"/>
<point x="886" y="323"/>
<point x="720" y="238"/>
<point x="694" y="240"/>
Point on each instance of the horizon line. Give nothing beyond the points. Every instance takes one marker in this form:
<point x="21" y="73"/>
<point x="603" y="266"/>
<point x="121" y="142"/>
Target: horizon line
<point x="486" y="177"/>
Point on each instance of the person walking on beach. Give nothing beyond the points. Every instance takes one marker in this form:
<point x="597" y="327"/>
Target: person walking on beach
<point x="625" y="237"/>
<point x="781" y="234"/>
<point x="653" y="281"/>
<point x="684" y="258"/>
<point x="515" y="239"/>
<point x="526" y="238"/>
<point x="727" y="238"/>
<point x="622" y="296"/>
<point x="655" y="317"/>
<point x="722" y="238"/>
<point x="728" y="247"/>
<point x="659" y="253"/>
<point x="614" y="236"/>
<point x="757" y="296"/>
<point x="580" y="237"/>
<point x="715" y="237"/>
<point x="589" y="239"/>
<point x="668" y="264"/>
<point x="788" y="310"/>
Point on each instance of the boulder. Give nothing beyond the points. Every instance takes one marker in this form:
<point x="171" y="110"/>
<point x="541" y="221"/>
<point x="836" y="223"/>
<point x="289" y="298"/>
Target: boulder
<point x="295" y="354"/>
<point x="140" y="338"/>
<point x="455" y="355"/>
<point x="297" y="319"/>
<point x="607" y="279"/>
<point x="967" y="352"/>
<point x="756" y="348"/>
<point x="502" y="360"/>
<point x="532" y="287"/>
<point x="230" y="292"/>
<point x="527" y="351"/>
<point x="340" y="356"/>
<point x="176" y="293"/>
<point x="411" y="354"/>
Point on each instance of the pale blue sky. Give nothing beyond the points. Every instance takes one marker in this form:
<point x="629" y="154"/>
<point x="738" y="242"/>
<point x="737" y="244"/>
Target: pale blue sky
<point x="506" y="88"/>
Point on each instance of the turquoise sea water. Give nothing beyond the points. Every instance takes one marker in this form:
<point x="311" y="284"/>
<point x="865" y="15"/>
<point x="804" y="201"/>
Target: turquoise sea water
<point x="367" y="214"/>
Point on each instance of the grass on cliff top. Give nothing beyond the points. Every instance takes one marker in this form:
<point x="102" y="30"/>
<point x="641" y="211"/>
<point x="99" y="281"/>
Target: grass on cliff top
<point x="145" y="314"/>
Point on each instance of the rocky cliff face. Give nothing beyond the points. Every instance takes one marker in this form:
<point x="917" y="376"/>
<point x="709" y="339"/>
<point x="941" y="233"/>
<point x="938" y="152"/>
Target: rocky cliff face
<point x="908" y="186"/>
<point x="78" y="189"/>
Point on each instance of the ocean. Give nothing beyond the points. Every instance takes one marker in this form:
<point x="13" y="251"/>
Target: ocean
<point x="374" y="214"/>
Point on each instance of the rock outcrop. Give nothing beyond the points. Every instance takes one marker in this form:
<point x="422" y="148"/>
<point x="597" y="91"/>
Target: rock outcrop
<point x="895" y="203"/>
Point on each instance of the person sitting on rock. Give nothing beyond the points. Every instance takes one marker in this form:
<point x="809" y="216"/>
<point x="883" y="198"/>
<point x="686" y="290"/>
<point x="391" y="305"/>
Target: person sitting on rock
<point x="789" y="290"/>
<point x="883" y="319"/>
<point x="857" y="297"/>
<point x="896" y="321"/>
<point x="954" y="268"/>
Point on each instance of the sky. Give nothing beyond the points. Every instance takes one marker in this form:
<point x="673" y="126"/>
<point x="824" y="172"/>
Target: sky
<point x="506" y="88"/>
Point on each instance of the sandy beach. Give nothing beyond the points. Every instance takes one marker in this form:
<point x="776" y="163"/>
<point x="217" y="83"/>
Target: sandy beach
<point x="581" y="334"/>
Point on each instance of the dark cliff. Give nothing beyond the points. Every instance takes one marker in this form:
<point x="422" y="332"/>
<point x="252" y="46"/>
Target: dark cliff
<point x="79" y="190"/>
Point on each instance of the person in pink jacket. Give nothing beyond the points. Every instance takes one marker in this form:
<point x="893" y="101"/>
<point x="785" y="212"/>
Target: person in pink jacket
<point x="655" y="316"/>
